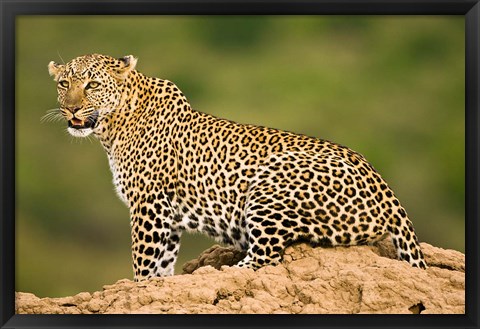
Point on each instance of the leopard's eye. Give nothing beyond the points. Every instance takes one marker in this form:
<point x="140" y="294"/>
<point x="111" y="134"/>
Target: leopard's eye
<point x="64" y="83"/>
<point x="92" y="85"/>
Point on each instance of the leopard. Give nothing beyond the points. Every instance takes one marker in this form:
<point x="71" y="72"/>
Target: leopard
<point x="255" y="188"/>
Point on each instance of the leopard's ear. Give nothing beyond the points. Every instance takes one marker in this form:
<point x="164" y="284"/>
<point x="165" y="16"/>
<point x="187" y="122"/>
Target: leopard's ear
<point x="124" y="66"/>
<point x="55" y="69"/>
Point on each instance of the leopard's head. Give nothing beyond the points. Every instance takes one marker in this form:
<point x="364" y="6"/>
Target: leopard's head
<point x="89" y="87"/>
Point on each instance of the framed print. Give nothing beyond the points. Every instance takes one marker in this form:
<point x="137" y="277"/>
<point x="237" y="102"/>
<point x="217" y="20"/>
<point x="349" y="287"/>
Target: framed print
<point x="327" y="152"/>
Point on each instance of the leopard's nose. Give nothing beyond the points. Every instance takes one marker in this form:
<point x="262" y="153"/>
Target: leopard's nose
<point x="73" y="109"/>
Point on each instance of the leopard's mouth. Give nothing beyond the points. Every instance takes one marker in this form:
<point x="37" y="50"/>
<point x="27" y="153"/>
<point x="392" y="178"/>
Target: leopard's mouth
<point x="89" y="122"/>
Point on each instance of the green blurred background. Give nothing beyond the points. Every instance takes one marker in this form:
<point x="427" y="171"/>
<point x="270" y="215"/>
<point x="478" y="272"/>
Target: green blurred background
<point x="391" y="88"/>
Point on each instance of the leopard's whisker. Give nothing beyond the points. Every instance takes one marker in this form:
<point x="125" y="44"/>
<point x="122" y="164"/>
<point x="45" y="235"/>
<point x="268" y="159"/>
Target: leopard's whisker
<point x="52" y="115"/>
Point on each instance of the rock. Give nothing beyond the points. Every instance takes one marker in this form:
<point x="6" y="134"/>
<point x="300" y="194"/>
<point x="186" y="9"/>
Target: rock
<point x="347" y="280"/>
<point x="215" y="256"/>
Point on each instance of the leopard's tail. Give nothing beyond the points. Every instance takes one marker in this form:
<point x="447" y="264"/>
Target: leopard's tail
<point x="405" y="240"/>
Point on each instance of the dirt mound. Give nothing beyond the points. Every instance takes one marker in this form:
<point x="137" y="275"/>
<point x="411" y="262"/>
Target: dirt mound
<point x="362" y="279"/>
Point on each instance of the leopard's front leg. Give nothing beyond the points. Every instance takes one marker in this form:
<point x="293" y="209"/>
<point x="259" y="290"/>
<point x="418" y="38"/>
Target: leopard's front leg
<point x="155" y="243"/>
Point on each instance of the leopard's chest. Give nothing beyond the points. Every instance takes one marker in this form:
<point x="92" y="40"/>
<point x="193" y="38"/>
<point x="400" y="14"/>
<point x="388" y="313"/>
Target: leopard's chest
<point x="119" y="183"/>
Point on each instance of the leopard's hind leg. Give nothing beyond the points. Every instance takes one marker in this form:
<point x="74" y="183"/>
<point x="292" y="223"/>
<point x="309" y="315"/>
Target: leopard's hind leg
<point x="303" y="195"/>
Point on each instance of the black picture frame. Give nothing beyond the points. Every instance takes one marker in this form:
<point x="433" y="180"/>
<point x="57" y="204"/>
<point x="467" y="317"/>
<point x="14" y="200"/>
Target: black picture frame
<point x="10" y="9"/>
